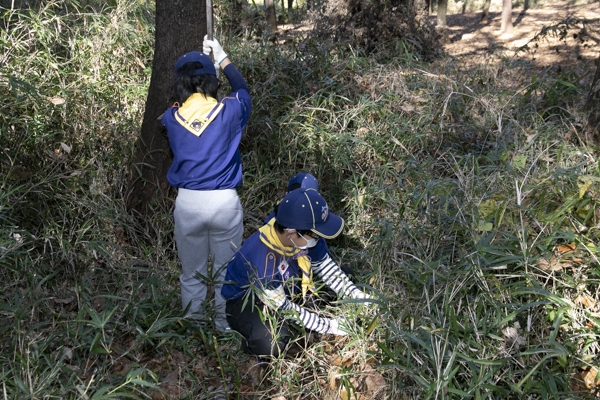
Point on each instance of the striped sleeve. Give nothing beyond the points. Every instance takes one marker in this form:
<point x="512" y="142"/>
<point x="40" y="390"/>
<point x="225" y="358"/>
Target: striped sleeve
<point x="308" y="319"/>
<point x="277" y="300"/>
<point x="335" y="278"/>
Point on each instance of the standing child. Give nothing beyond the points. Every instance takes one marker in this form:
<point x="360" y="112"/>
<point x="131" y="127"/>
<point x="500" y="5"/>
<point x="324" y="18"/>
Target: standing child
<point x="204" y="135"/>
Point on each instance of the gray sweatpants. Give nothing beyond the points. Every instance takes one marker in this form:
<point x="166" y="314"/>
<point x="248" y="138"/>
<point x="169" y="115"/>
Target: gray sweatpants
<point x="207" y="223"/>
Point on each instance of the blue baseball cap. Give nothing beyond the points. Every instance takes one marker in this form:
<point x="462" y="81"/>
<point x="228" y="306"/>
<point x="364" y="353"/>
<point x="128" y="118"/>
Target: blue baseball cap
<point x="208" y="67"/>
<point x="305" y="180"/>
<point x="305" y="209"/>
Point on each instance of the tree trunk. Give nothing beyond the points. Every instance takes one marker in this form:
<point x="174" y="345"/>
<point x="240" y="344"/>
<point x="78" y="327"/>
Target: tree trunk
<point x="592" y="105"/>
<point x="442" y="7"/>
<point x="180" y="27"/>
<point x="485" y="13"/>
<point x="290" y="4"/>
<point x="271" y="16"/>
<point x="506" y="25"/>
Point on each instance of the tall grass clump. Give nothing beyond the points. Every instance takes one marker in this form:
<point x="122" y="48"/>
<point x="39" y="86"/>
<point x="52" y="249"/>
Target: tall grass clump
<point x="461" y="193"/>
<point x="73" y="282"/>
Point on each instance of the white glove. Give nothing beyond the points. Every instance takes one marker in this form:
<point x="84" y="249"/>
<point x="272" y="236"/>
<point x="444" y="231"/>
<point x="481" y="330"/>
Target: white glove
<point x="334" y="327"/>
<point x="361" y="295"/>
<point x="218" y="54"/>
<point x="274" y="298"/>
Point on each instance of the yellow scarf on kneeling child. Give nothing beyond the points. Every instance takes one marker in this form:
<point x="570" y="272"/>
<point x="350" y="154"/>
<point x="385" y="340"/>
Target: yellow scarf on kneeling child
<point x="268" y="235"/>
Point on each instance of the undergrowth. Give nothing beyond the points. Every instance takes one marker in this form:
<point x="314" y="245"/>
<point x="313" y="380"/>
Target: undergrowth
<point x="471" y="209"/>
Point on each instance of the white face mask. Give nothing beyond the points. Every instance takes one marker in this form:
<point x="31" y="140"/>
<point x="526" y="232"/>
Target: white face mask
<point x="310" y="243"/>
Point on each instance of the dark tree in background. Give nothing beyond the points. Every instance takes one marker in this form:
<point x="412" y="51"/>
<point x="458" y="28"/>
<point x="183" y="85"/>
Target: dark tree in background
<point x="485" y="12"/>
<point x="506" y="26"/>
<point x="592" y="106"/>
<point x="271" y="15"/>
<point x="442" y="8"/>
<point x="180" y="27"/>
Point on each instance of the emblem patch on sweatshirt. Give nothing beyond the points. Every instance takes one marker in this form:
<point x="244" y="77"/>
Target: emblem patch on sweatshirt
<point x="283" y="270"/>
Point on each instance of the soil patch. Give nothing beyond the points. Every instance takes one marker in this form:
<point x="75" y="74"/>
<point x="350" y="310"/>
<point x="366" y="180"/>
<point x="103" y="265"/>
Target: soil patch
<point x="468" y="38"/>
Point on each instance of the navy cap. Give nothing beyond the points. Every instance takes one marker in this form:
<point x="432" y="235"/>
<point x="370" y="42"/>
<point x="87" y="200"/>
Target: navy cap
<point x="208" y="67"/>
<point x="305" y="209"/>
<point x="305" y="180"/>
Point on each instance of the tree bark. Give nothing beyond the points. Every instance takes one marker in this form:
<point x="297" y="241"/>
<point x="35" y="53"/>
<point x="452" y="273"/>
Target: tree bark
<point x="271" y="15"/>
<point x="592" y="105"/>
<point x="506" y="25"/>
<point x="442" y="7"/>
<point x="180" y="28"/>
<point x="485" y="12"/>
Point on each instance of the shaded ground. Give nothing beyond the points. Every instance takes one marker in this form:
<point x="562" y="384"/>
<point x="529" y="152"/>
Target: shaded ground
<point x="468" y="37"/>
<point x="536" y="36"/>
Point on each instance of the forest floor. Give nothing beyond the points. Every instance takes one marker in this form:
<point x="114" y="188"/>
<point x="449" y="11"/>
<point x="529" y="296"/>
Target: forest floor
<point x="474" y="41"/>
<point x="467" y="37"/>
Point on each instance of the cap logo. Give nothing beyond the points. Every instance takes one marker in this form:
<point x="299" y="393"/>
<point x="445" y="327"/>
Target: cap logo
<point x="324" y="212"/>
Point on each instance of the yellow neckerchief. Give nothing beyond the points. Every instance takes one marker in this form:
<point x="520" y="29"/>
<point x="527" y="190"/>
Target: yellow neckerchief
<point x="268" y="235"/>
<point x="197" y="112"/>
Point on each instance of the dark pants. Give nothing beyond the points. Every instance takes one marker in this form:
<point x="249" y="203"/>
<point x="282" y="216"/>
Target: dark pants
<point x="265" y="333"/>
<point x="270" y="336"/>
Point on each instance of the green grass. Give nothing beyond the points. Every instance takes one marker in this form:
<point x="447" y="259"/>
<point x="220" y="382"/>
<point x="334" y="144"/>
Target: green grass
<point x="456" y="185"/>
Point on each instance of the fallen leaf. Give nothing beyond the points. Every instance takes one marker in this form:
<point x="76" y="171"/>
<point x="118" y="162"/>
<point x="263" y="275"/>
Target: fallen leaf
<point x="487" y="208"/>
<point x="67" y="353"/>
<point x="484" y="226"/>
<point x="57" y="101"/>
<point x="583" y="187"/>
<point x="156" y="394"/>
<point x="120" y="367"/>
<point x="586" y="301"/>
<point x="577" y="384"/>
<point x="374" y="380"/>
<point x="351" y="394"/>
<point x="590" y="377"/>
<point x="255" y="371"/>
<point x="553" y="264"/>
<point x="563" y="256"/>
<point x="512" y="340"/>
<point x="171" y="378"/>
<point x="170" y="385"/>
<point x="65" y="147"/>
<point x="65" y="301"/>
<point x="564" y="249"/>
<point x="519" y="162"/>
<point x="333" y="379"/>
<point x="343" y="393"/>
